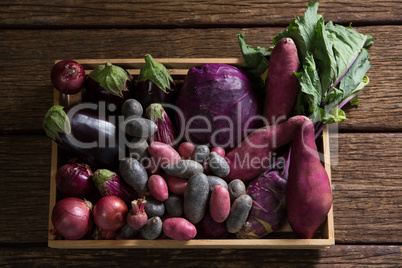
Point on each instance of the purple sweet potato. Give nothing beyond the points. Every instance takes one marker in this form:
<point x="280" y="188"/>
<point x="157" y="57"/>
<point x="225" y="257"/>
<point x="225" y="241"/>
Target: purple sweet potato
<point x="196" y="197"/>
<point x="174" y="205"/>
<point x="253" y="155"/>
<point x="218" y="165"/>
<point x="201" y="153"/>
<point x="283" y="85"/>
<point x="236" y="188"/>
<point x="219" y="203"/>
<point x="309" y="196"/>
<point x="239" y="213"/>
<point x="184" y="169"/>
<point x="152" y="229"/>
<point x="179" y="229"/>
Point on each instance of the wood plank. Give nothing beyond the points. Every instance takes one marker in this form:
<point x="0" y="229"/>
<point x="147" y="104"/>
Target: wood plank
<point x="366" y="183"/>
<point x="336" y="256"/>
<point x="197" y="13"/>
<point x="24" y="194"/>
<point x="27" y="58"/>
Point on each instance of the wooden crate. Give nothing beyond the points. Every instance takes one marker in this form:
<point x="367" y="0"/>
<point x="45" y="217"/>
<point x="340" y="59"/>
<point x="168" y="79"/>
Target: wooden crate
<point x="178" y="68"/>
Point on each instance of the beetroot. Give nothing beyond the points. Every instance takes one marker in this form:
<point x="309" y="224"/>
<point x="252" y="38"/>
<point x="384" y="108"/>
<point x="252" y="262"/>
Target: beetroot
<point x="137" y="217"/>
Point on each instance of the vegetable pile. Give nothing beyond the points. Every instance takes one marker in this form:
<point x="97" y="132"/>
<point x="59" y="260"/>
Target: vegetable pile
<point x="147" y="159"/>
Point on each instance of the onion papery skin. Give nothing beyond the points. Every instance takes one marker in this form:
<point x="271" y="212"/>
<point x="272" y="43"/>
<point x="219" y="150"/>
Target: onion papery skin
<point x="71" y="218"/>
<point x="75" y="180"/>
<point x="68" y="76"/>
<point x="110" y="213"/>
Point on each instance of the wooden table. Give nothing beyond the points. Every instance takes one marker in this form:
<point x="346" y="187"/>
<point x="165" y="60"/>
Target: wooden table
<point x="366" y="180"/>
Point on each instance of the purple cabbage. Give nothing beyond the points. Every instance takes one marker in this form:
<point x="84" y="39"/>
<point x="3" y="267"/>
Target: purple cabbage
<point x="222" y="98"/>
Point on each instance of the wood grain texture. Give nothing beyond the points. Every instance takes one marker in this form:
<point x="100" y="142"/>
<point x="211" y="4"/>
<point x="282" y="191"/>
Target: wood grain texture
<point x="367" y="199"/>
<point x="194" y="13"/>
<point x="28" y="56"/>
<point x="367" y="188"/>
<point x="337" y="256"/>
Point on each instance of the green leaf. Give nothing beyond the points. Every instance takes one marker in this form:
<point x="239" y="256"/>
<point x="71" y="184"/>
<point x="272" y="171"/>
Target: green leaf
<point x="354" y="76"/>
<point x="255" y="64"/>
<point x="353" y="97"/>
<point x="101" y="176"/>
<point x="369" y="41"/>
<point x="155" y="111"/>
<point x="156" y="73"/>
<point x="355" y="101"/>
<point x="112" y="78"/>
<point x="324" y="56"/>
<point x="346" y="47"/>
<point x="302" y="31"/>
<point x="335" y="61"/>
<point x="254" y="58"/>
<point x="335" y="115"/>
<point x="310" y="88"/>
<point x="55" y="122"/>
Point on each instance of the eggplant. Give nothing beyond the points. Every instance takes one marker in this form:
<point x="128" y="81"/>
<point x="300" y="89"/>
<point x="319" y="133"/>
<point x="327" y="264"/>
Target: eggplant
<point x="83" y="134"/>
<point x="166" y="131"/>
<point x="155" y="84"/>
<point x="111" y="84"/>
<point x="146" y="92"/>
<point x="109" y="183"/>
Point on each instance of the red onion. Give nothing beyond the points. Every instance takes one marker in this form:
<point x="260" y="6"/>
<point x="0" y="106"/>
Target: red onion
<point x="68" y="76"/>
<point x="71" y="217"/>
<point x="99" y="234"/>
<point x="74" y="179"/>
<point x="110" y="213"/>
